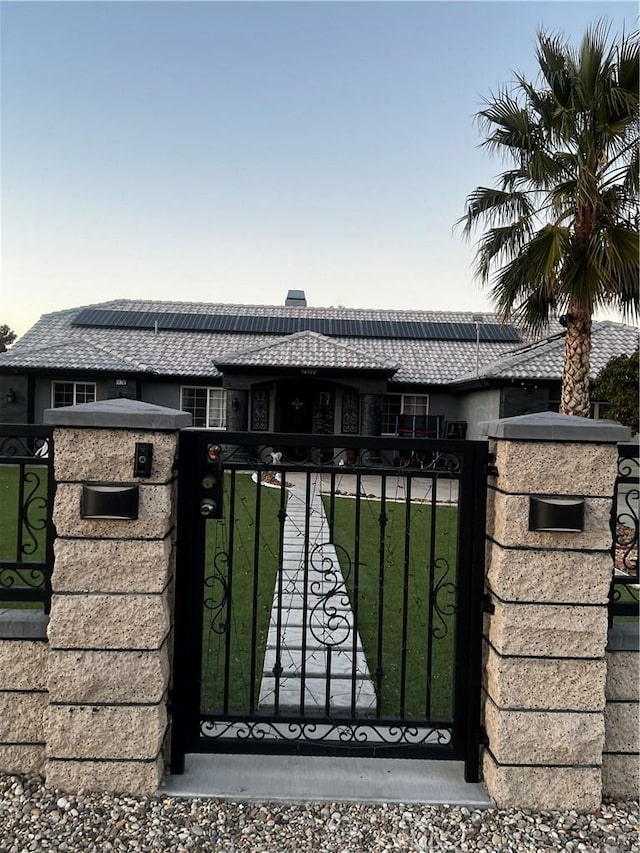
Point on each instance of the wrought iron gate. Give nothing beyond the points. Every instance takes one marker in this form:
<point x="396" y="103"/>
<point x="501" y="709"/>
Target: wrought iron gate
<point x="328" y="596"/>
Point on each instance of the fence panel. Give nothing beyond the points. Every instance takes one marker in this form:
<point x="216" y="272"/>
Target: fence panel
<point x="27" y="488"/>
<point x="623" y="599"/>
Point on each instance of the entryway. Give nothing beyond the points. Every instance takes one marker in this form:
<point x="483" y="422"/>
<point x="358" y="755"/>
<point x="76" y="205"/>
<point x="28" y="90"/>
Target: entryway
<point x="330" y="606"/>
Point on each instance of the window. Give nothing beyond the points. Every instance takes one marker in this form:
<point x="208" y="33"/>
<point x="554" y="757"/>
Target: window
<point x="396" y="405"/>
<point x="208" y="406"/>
<point x="72" y="393"/>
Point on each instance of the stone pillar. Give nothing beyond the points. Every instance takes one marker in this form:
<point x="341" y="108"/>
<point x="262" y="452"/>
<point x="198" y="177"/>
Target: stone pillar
<point x="110" y="623"/>
<point x="371" y="414"/>
<point x="237" y="409"/>
<point x="544" y="671"/>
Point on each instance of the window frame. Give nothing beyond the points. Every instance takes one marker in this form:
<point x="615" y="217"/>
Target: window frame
<point x="216" y="413"/>
<point x="75" y="383"/>
<point x="386" y="414"/>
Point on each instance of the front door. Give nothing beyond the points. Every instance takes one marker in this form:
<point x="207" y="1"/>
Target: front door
<point x="306" y="408"/>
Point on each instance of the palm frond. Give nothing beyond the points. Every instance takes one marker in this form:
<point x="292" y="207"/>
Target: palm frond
<point x="491" y="206"/>
<point x="527" y="287"/>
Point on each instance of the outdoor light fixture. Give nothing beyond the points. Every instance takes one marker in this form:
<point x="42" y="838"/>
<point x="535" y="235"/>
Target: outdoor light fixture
<point x="10" y="396"/>
<point x="235" y="404"/>
<point x="110" y="500"/>
<point x="551" y="513"/>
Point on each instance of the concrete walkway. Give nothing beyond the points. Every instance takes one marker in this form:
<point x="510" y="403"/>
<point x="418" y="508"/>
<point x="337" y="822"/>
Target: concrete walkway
<point x="312" y="639"/>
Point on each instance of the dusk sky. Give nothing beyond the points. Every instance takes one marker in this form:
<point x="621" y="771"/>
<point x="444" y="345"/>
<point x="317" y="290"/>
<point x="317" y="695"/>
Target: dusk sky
<point x="230" y="151"/>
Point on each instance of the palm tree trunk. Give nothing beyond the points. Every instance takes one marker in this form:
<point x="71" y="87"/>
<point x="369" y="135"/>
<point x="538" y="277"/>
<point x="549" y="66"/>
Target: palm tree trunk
<point x="577" y="360"/>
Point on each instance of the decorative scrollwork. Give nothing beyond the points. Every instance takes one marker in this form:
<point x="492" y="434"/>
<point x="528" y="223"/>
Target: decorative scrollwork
<point x="217" y="604"/>
<point x="13" y="446"/>
<point x="442" y="589"/>
<point x="625" y="532"/>
<point x="339" y="733"/>
<point x="329" y="621"/>
<point x="628" y="463"/>
<point x="633" y="592"/>
<point x="33" y="523"/>
<point x="17" y="578"/>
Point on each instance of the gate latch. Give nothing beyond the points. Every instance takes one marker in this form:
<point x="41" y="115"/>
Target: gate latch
<point x="211" y="499"/>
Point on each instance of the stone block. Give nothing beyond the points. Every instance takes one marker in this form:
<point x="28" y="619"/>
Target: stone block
<point x="104" y="732"/>
<point x="108" y="454"/>
<point x="21" y="717"/>
<point x="22" y="759"/>
<point x="156" y="515"/>
<point x="137" y="778"/>
<point x="106" y="565"/>
<point x="623" y="675"/>
<point x="548" y="576"/>
<point x="622" y="727"/>
<point x="545" y="683"/>
<point x="544" y="737"/>
<point x="108" y="622"/>
<point x="565" y="468"/>
<point x="621" y="776"/>
<point x="542" y="788"/>
<point x="549" y="630"/>
<point x="109" y="677"/>
<point x="508" y="524"/>
<point x="23" y="664"/>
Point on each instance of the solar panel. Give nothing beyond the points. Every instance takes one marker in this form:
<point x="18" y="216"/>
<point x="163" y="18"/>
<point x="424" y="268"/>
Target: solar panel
<point x="264" y="325"/>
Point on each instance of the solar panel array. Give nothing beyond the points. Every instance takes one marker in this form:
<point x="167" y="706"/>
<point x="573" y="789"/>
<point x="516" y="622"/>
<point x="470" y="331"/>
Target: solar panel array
<point x="267" y="325"/>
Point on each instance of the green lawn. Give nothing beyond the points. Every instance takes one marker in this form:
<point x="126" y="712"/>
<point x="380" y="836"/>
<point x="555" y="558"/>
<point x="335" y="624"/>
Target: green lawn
<point x="249" y="593"/>
<point x="410" y="640"/>
<point x="402" y="656"/>
<point x="32" y="548"/>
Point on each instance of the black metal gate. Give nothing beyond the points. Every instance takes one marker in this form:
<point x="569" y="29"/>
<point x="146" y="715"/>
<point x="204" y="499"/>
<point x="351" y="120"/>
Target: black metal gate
<point x="329" y="596"/>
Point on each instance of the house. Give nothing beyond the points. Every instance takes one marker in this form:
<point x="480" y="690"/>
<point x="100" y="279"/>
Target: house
<point x="294" y="368"/>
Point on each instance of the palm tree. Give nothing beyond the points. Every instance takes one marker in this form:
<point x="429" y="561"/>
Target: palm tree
<point x="561" y="223"/>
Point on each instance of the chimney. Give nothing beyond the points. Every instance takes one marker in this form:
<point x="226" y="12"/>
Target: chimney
<point x="295" y="299"/>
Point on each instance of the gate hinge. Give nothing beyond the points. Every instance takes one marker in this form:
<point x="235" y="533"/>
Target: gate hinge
<point x="491" y="469"/>
<point x="483" y="737"/>
<point x="487" y="604"/>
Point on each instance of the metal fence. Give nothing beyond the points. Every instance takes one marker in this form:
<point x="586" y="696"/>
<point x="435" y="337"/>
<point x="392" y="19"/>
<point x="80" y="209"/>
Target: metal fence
<point x="27" y="489"/>
<point x="623" y="598"/>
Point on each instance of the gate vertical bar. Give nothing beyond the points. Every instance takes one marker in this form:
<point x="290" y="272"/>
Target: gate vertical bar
<point x="405" y="597"/>
<point x="476" y="587"/>
<point x="256" y="573"/>
<point x="190" y="570"/>
<point x="227" y="630"/>
<point x="468" y="648"/>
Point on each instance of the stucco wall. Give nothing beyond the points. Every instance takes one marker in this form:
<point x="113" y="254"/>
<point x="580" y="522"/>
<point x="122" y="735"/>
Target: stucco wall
<point x="478" y="407"/>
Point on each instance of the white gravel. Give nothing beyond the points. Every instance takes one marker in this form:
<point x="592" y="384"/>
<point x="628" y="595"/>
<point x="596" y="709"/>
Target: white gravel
<point x="35" y="818"/>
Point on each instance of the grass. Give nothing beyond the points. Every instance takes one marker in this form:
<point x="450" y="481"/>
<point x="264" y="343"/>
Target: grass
<point x="250" y="594"/>
<point x="626" y="597"/>
<point x="389" y="590"/>
<point x="32" y="549"/>
<point x="402" y="657"/>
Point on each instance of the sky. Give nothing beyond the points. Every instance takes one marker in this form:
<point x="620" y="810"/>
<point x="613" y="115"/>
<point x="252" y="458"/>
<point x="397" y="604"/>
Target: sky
<point x="231" y="151"/>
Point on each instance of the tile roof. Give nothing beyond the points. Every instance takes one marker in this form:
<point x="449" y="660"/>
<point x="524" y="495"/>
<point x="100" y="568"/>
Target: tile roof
<point x="544" y="359"/>
<point x="306" y="349"/>
<point x="53" y="342"/>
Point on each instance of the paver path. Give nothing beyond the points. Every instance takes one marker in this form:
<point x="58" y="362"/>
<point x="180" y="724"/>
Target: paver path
<point x="335" y="673"/>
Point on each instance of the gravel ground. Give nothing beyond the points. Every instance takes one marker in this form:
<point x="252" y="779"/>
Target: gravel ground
<point x="34" y="818"/>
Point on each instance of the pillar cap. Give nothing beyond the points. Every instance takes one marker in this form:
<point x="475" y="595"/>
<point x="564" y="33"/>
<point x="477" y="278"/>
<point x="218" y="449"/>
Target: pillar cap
<point x="551" y="426"/>
<point x="118" y="414"/>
